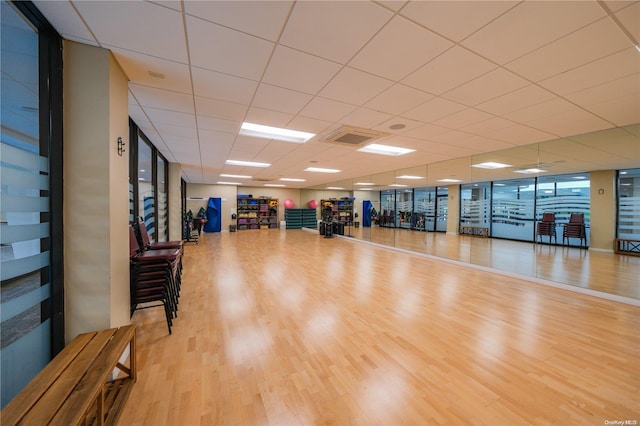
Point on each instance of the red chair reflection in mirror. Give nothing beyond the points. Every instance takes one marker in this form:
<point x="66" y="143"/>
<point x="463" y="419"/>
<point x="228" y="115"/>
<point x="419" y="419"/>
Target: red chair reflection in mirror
<point x="575" y="229"/>
<point x="547" y="227"/>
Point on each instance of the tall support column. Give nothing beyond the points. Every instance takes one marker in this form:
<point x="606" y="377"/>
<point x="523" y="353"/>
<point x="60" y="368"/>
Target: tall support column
<point x="96" y="204"/>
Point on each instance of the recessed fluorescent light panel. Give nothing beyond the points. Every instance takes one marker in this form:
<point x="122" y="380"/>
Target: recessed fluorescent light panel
<point x="229" y="183"/>
<point x="334" y="187"/>
<point x="235" y="176"/>
<point x="449" y="180"/>
<point x="491" y="165"/>
<point x="530" y="171"/>
<point x="376" y="148"/>
<point x="398" y="185"/>
<point x="364" y="183"/>
<point x="292" y="180"/>
<point x="321" y="170"/>
<point x="268" y="132"/>
<point x="409" y="177"/>
<point x="246" y="163"/>
<point x="274" y="185"/>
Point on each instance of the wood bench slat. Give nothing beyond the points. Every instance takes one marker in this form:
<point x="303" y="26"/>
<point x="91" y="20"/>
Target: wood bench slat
<point x="19" y="406"/>
<point x="56" y="395"/>
<point x="91" y="384"/>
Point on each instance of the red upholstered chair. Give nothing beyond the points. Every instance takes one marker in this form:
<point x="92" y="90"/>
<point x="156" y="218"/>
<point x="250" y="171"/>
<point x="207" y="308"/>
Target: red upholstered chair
<point x="155" y="277"/>
<point x="575" y="229"/>
<point x="547" y="227"/>
<point x="146" y="243"/>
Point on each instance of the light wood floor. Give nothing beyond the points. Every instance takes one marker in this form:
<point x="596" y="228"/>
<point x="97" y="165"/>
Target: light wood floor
<point x="603" y="272"/>
<point x="289" y="328"/>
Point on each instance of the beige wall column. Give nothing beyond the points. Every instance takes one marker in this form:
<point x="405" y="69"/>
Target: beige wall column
<point x="453" y="214"/>
<point x="603" y="210"/>
<point x="96" y="195"/>
<point x="175" y="204"/>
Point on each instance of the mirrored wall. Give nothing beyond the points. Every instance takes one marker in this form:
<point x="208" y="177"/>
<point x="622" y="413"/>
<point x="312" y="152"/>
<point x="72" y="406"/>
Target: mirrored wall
<point x="491" y="209"/>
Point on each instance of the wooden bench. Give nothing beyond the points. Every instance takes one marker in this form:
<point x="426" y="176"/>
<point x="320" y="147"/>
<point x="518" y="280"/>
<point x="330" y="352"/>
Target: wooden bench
<point x="627" y="246"/>
<point x="478" y="231"/>
<point x="77" y="387"/>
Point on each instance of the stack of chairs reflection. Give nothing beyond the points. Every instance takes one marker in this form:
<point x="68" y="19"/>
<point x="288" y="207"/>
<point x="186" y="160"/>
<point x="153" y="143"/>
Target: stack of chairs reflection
<point x="575" y="229"/>
<point x="547" y="227"/>
<point x="155" y="275"/>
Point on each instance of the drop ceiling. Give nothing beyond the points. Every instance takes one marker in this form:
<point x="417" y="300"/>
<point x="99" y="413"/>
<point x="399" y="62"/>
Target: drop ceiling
<point x="457" y="81"/>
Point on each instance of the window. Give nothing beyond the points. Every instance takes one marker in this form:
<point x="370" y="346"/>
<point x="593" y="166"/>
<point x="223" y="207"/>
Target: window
<point x="148" y="185"/>
<point x="163" y="207"/>
<point x="629" y="204"/>
<point x="31" y="261"/>
<point x="512" y="209"/>
<point x="442" y="208"/>
<point x="564" y="195"/>
<point x="146" y="192"/>
<point x="404" y="202"/>
<point x="475" y="206"/>
<point x="388" y="208"/>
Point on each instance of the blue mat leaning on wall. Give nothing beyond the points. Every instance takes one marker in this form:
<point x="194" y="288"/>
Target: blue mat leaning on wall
<point x="214" y="215"/>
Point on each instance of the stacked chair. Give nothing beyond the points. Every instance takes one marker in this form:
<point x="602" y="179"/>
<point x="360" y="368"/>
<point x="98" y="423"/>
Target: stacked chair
<point x="156" y="270"/>
<point x="547" y="227"/>
<point x="575" y="229"/>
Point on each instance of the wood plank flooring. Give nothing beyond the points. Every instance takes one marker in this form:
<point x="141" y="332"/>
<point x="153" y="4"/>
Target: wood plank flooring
<point x="603" y="272"/>
<point x="289" y="328"/>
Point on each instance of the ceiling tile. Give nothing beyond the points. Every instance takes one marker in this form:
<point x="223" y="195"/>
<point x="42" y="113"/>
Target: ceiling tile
<point x="463" y="118"/>
<point x="426" y="131"/>
<point x="483" y="127"/>
<point x="171" y="118"/>
<point x="223" y="87"/>
<point x="220" y="109"/>
<point x="516" y="100"/>
<point x="591" y="43"/>
<point x="393" y="52"/>
<point x="278" y="99"/>
<point x="354" y="87"/>
<point x="463" y="17"/>
<point x="365" y="118"/>
<point x="221" y="49"/>
<point x="615" y="89"/>
<point x="616" y="5"/>
<point x="268" y="117"/>
<point x="154" y="72"/>
<point x="65" y="20"/>
<point x="570" y="122"/>
<point x="310" y="125"/>
<point x="178" y="133"/>
<point x="629" y="17"/>
<point x="259" y="18"/>
<point x="326" y="109"/>
<point x="299" y="71"/>
<point x="595" y="73"/>
<point x="518" y="134"/>
<point x="337" y="32"/>
<point x="434" y="109"/>
<point x="407" y="125"/>
<point x="530" y="25"/>
<point x="159" y="98"/>
<point x="138" y="26"/>
<point x="479" y="144"/>
<point x="398" y="99"/>
<point x="489" y="86"/>
<point x="451" y="69"/>
<point x="217" y="124"/>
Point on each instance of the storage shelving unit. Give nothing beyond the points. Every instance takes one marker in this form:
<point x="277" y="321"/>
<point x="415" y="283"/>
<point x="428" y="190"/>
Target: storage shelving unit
<point x="341" y="209"/>
<point x="256" y="213"/>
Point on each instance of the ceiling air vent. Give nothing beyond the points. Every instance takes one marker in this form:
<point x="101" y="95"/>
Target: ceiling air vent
<point x="350" y="135"/>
